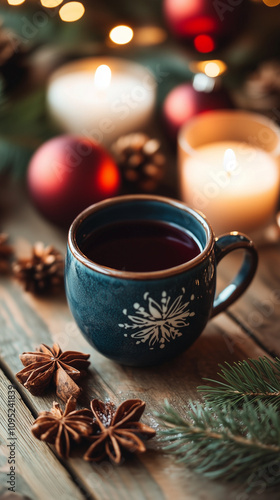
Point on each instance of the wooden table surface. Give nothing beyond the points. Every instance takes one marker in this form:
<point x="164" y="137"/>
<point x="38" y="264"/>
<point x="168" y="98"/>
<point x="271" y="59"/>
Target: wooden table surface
<point x="250" y="328"/>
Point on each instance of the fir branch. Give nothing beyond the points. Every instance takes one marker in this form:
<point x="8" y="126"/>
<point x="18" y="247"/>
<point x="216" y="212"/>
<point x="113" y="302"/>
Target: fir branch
<point x="24" y="125"/>
<point x="233" y="444"/>
<point x="253" y="380"/>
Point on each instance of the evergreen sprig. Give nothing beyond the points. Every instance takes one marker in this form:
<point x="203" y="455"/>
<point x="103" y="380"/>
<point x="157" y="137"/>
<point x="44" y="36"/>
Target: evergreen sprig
<point x="226" y="442"/>
<point x="24" y="125"/>
<point x="253" y="380"/>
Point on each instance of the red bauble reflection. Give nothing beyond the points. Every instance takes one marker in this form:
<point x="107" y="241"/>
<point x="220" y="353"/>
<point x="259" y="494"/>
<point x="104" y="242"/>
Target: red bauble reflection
<point x="69" y="173"/>
<point x="187" y="19"/>
<point x="184" y="102"/>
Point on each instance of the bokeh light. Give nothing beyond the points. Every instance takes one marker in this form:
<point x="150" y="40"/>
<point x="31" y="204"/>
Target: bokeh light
<point x="121" y="34"/>
<point x="271" y="3"/>
<point x="149" y="35"/>
<point x="211" y="68"/>
<point x="50" y="4"/>
<point x="15" y="2"/>
<point x="108" y="178"/>
<point x="71" y="12"/>
<point x="203" y="83"/>
<point x="214" y="68"/>
<point x="204" y="43"/>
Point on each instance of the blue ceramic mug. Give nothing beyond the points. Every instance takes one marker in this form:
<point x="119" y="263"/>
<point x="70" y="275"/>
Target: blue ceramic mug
<point x="145" y="318"/>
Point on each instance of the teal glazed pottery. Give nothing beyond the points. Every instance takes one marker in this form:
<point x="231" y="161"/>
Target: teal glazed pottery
<point x="147" y="318"/>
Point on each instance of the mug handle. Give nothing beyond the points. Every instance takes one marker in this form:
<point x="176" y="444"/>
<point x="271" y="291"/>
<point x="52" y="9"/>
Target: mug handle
<point x="224" y="245"/>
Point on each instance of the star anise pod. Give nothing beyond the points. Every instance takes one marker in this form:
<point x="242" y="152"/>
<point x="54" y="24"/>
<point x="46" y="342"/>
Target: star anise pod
<point x="6" y="253"/>
<point x="117" y="430"/>
<point x="60" y="428"/>
<point x="48" y="365"/>
<point x="43" y="271"/>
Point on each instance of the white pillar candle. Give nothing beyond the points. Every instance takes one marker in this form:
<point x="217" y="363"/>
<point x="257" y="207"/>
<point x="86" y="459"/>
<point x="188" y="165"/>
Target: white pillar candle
<point x="229" y="169"/>
<point x="102" y="98"/>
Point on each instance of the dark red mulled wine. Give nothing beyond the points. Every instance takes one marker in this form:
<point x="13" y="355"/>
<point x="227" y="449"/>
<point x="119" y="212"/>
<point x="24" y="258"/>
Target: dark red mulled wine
<point x="140" y="246"/>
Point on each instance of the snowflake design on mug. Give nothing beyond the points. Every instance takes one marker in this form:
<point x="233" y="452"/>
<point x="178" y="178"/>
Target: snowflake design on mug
<point x="158" y="323"/>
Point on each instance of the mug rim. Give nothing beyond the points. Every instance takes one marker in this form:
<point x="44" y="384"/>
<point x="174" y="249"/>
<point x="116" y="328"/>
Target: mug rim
<point x="147" y="275"/>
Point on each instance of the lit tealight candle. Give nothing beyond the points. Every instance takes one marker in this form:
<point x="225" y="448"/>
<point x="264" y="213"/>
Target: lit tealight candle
<point x="102" y="98"/>
<point x="229" y="169"/>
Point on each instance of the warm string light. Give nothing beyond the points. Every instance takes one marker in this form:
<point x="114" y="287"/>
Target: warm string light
<point x="211" y="68"/>
<point x="205" y="74"/>
<point x="142" y="36"/>
<point x="149" y="35"/>
<point x="51" y="4"/>
<point x="71" y="12"/>
<point x="271" y="3"/>
<point x="15" y="2"/>
<point x="121" y="35"/>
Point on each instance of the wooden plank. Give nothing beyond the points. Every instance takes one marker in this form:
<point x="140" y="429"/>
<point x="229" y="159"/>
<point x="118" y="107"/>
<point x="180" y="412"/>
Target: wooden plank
<point x="25" y="321"/>
<point x="147" y="477"/>
<point x="38" y="473"/>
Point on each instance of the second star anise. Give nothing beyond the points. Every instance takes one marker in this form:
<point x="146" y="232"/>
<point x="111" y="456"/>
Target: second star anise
<point x="50" y="364"/>
<point x="118" y="430"/>
<point x="60" y="428"/>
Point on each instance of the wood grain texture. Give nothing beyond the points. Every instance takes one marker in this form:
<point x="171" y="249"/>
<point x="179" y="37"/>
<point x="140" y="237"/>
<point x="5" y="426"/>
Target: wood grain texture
<point x="26" y="321"/>
<point x="258" y="311"/>
<point x="39" y="474"/>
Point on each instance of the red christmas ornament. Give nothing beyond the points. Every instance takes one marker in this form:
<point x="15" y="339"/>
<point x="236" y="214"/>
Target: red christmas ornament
<point x="184" y="102"/>
<point x="67" y="174"/>
<point x="205" y="23"/>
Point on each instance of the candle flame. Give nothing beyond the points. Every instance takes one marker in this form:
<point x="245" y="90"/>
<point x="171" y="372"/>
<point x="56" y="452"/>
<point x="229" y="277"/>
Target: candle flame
<point x="102" y="77"/>
<point x="230" y="162"/>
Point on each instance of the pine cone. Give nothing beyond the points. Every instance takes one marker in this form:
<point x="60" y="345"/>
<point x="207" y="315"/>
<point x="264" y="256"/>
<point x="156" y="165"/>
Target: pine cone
<point x="265" y="80"/>
<point x="43" y="272"/>
<point x="261" y="89"/>
<point x="140" y="161"/>
<point x="6" y="253"/>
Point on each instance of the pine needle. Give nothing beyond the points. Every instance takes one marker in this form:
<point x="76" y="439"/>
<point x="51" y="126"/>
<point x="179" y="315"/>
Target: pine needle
<point x="253" y="380"/>
<point x="221" y="443"/>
